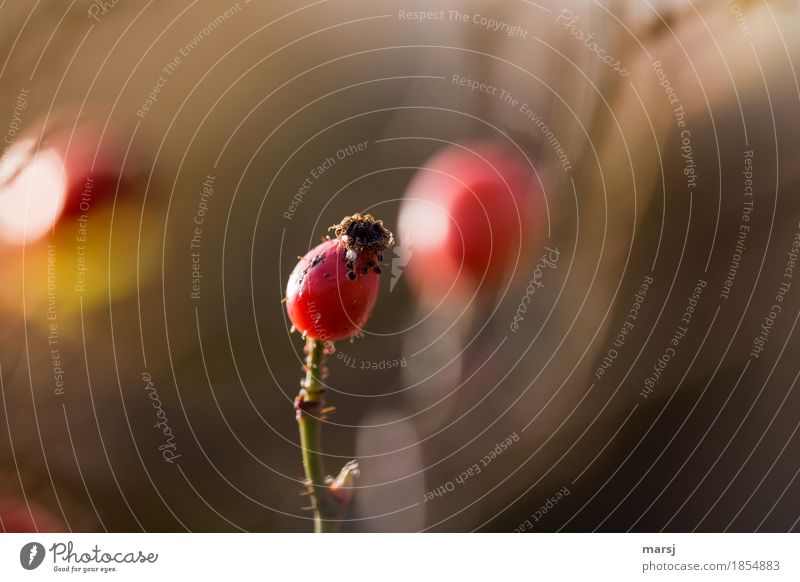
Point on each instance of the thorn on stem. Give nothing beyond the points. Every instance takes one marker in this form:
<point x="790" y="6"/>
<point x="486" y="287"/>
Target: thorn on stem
<point x="341" y="488"/>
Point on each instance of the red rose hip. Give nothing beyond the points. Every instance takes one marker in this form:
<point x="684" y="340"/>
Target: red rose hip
<point x="332" y="290"/>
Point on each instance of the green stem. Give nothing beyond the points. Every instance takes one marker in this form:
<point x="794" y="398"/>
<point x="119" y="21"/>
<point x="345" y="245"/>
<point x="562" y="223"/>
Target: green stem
<point x="309" y="405"/>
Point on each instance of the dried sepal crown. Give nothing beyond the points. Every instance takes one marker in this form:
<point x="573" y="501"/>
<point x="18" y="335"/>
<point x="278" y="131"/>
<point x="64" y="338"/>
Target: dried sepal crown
<point x="361" y="232"/>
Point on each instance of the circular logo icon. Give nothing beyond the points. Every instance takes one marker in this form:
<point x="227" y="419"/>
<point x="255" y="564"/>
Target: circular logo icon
<point x="31" y="555"/>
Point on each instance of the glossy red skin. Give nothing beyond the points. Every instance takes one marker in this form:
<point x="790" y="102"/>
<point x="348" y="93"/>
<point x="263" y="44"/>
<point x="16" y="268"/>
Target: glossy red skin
<point x="322" y="302"/>
<point x="467" y="214"/>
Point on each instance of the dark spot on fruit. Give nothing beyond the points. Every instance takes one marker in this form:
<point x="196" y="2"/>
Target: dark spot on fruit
<point x="316" y="260"/>
<point x="377" y="270"/>
<point x="364" y="270"/>
<point x="351" y="275"/>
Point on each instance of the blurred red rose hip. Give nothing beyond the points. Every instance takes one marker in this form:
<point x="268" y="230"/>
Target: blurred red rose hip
<point x="467" y="217"/>
<point x="62" y="170"/>
<point x="19" y="516"/>
<point x="332" y="290"/>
